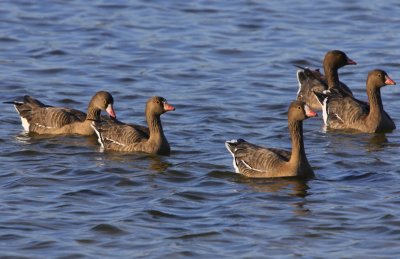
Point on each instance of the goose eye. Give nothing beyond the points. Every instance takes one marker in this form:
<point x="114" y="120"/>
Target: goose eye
<point x="379" y="75"/>
<point x="299" y="107"/>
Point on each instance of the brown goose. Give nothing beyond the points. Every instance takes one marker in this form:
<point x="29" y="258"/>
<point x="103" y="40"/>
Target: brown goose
<point x="344" y="112"/>
<point x="312" y="81"/>
<point x="43" y="119"/>
<point x="118" y="136"/>
<point x="256" y="161"/>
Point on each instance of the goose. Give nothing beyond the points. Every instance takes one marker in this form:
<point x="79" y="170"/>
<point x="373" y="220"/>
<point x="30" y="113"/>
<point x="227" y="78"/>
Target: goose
<point x="39" y="118"/>
<point x="259" y="162"/>
<point x="344" y="112"/>
<point x="119" y="136"/>
<point x="313" y="81"/>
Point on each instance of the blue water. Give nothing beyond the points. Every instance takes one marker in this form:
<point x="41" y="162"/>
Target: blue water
<point x="227" y="67"/>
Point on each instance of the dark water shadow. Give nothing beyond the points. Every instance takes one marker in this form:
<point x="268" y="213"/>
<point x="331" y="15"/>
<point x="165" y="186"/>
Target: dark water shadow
<point x="57" y="141"/>
<point x="139" y="161"/>
<point x="89" y="146"/>
<point x="376" y="142"/>
<point x="293" y="187"/>
<point x="353" y="139"/>
<point x="283" y="189"/>
<point x="296" y="186"/>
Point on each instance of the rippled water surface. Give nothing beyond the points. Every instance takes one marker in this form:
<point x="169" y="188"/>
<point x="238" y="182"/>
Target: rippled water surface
<point x="227" y="67"/>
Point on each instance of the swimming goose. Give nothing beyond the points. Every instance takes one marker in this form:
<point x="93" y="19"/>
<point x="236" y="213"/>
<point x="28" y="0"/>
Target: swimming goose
<point x="313" y="81"/>
<point x="256" y="161"/>
<point x="39" y="118"/>
<point x="118" y="136"/>
<point x="344" y="112"/>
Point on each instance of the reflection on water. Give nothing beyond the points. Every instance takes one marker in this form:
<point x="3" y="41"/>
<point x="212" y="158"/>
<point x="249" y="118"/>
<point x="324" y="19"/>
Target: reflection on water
<point x="343" y="142"/>
<point x="289" y="186"/>
<point x="156" y="164"/>
<point x="23" y="138"/>
<point x="292" y="186"/>
<point x="136" y="161"/>
<point x="376" y="142"/>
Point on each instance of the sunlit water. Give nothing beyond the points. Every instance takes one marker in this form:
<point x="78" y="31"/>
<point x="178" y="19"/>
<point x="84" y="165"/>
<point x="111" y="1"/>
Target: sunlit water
<point x="227" y="67"/>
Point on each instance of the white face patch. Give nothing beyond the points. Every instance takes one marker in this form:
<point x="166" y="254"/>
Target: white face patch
<point x="307" y="108"/>
<point x="309" y="112"/>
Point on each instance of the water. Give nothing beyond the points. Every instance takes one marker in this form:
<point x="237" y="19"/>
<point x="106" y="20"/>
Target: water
<point x="227" y="66"/>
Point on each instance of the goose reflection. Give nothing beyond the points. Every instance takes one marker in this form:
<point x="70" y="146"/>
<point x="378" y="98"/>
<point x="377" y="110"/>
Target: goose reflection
<point x="158" y="164"/>
<point x="291" y="186"/>
<point x="339" y="142"/>
<point x="376" y="142"/>
<point x="295" y="187"/>
<point x="135" y="161"/>
<point x="79" y="141"/>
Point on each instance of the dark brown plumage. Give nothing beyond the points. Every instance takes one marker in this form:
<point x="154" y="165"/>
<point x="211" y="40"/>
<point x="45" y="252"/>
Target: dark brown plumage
<point x="39" y="118"/>
<point x="259" y="162"/>
<point x="313" y="81"/>
<point x="344" y="112"/>
<point x="118" y="136"/>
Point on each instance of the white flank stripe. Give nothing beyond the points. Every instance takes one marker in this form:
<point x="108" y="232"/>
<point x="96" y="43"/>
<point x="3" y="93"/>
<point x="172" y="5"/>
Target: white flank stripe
<point x="99" y="139"/>
<point x="233" y="155"/>
<point x="227" y="146"/>
<point x="42" y="126"/>
<point x="298" y="80"/>
<point x="15" y="106"/>
<point x="339" y="117"/>
<point x="249" y="167"/>
<point x="115" y="142"/>
<point x="25" y="123"/>
<point x="235" y="166"/>
<point x="325" y="111"/>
